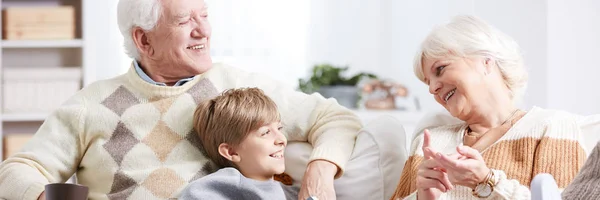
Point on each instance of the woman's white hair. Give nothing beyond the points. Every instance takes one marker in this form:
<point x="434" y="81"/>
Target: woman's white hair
<point x="136" y="13"/>
<point x="468" y="36"/>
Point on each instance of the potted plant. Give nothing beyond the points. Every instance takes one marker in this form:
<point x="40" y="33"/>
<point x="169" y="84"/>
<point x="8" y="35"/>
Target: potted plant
<point x="327" y="80"/>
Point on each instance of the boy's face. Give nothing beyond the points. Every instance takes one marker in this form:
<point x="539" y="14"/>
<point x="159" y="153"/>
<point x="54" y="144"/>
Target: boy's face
<point x="261" y="153"/>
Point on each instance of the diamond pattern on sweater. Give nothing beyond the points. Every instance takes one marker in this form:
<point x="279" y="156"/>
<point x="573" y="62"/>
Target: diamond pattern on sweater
<point x="162" y="140"/>
<point x="204" y="89"/>
<point x="120" y="143"/>
<point x="120" y="100"/>
<point x="180" y="118"/>
<point x="163" y="182"/>
<point x="164" y="104"/>
<point x="208" y="168"/>
<point x="122" y="186"/>
<point x="193" y="138"/>
<point x="143" y="193"/>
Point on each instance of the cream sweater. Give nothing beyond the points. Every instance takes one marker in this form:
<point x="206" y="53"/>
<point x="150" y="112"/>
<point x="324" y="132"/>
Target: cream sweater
<point x="543" y="141"/>
<point x="126" y="138"/>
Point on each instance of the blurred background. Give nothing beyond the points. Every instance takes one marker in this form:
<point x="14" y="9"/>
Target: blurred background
<point x="52" y="48"/>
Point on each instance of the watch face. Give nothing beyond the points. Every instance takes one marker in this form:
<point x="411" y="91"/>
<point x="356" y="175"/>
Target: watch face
<point x="484" y="190"/>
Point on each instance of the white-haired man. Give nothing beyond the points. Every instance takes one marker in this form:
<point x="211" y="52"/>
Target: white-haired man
<point x="131" y="137"/>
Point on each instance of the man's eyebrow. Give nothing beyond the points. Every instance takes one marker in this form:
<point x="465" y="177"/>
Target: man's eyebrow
<point x="183" y="15"/>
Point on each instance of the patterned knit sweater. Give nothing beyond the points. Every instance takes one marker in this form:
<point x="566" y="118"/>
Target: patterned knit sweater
<point x="128" y="139"/>
<point x="543" y="141"/>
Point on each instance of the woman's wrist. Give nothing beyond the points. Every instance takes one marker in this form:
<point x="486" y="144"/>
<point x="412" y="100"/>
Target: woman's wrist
<point x="483" y="177"/>
<point x="480" y="177"/>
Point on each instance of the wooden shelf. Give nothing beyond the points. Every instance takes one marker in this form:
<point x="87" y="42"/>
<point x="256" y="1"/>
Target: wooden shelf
<point x="33" y="117"/>
<point x="42" y="43"/>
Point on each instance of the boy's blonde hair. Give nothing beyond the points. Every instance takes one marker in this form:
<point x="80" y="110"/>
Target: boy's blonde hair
<point x="230" y="117"/>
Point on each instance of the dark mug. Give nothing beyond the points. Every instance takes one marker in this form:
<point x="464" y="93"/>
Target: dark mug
<point x="66" y="191"/>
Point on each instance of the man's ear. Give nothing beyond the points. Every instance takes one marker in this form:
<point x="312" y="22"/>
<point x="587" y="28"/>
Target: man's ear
<point x="140" y="38"/>
<point x="229" y="153"/>
<point x="488" y="64"/>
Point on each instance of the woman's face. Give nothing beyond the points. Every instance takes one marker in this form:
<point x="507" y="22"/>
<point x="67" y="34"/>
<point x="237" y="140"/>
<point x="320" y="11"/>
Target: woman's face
<point x="458" y="83"/>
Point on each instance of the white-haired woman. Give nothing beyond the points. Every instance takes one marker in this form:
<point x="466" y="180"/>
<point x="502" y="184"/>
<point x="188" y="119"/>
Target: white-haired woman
<point x="477" y="74"/>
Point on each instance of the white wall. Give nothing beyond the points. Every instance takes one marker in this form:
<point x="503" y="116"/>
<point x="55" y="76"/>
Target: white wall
<point x="348" y="32"/>
<point x="573" y="53"/>
<point x="104" y="41"/>
<point x="264" y="36"/>
<point x="525" y="21"/>
<point x="411" y="21"/>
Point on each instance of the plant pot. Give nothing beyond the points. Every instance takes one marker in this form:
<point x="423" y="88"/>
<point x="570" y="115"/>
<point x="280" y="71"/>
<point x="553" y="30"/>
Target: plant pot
<point x="346" y="96"/>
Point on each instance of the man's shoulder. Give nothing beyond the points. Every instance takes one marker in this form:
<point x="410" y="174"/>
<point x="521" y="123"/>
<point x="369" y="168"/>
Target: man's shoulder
<point x="100" y="88"/>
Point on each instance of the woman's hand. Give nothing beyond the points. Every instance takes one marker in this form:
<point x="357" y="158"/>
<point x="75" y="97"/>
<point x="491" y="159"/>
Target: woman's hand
<point x="431" y="179"/>
<point x="467" y="168"/>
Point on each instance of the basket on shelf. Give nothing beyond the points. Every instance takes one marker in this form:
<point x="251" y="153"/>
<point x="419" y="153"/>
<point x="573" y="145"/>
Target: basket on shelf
<point x="38" y="90"/>
<point x="38" y="22"/>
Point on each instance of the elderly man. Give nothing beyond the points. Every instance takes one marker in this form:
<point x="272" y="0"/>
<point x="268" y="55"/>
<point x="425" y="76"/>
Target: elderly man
<point x="131" y="137"/>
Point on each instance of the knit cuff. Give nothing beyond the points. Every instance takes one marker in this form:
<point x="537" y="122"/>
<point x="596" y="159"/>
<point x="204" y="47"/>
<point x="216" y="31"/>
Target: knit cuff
<point x="34" y="191"/>
<point x="334" y="155"/>
<point x="509" y="188"/>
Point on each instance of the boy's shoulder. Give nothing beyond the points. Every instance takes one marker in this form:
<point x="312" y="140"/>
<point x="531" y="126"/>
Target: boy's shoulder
<point x="226" y="175"/>
<point x="214" y="185"/>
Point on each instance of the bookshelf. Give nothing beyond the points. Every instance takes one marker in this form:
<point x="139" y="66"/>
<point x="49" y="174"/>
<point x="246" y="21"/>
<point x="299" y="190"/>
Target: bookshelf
<point x="54" y="54"/>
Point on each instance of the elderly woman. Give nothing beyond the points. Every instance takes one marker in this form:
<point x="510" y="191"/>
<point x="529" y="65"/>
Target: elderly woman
<point x="477" y="74"/>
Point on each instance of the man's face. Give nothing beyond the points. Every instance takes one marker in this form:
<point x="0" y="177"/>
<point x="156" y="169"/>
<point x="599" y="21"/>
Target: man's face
<point x="182" y="36"/>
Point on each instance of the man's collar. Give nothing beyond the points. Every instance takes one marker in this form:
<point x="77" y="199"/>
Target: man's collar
<point x="147" y="78"/>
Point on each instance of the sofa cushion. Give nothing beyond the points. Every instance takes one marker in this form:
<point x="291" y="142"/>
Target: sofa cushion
<point x="374" y="167"/>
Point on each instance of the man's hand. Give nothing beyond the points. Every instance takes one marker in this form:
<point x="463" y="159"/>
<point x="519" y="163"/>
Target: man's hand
<point x="318" y="181"/>
<point x="42" y="196"/>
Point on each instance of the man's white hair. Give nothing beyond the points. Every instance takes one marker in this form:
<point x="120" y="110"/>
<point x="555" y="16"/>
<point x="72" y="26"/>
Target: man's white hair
<point x="468" y="36"/>
<point x="136" y="13"/>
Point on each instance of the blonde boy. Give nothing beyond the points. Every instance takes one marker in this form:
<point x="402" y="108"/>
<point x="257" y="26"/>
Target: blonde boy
<point x="240" y="131"/>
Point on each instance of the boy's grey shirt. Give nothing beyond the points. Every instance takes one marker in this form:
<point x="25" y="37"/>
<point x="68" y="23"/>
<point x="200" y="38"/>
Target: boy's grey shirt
<point x="229" y="183"/>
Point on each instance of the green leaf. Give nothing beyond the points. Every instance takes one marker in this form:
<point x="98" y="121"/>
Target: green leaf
<point x="329" y="75"/>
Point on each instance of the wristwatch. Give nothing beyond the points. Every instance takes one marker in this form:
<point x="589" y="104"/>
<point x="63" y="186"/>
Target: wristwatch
<point x="485" y="188"/>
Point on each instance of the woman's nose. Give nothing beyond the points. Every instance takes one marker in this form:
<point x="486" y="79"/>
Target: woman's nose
<point x="434" y="87"/>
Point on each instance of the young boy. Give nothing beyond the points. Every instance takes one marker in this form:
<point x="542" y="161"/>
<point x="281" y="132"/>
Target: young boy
<point x="240" y="131"/>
